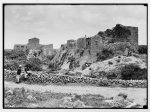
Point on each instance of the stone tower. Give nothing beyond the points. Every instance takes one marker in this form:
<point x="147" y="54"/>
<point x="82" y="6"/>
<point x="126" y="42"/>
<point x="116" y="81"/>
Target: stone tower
<point x="33" y="43"/>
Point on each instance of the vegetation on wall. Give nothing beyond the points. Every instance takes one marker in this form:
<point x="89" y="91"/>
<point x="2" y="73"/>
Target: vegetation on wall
<point x="106" y="53"/>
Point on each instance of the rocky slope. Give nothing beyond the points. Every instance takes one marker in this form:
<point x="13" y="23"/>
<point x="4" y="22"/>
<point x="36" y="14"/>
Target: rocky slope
<point x="114" y="65"/>
<point x="109" y="43"/>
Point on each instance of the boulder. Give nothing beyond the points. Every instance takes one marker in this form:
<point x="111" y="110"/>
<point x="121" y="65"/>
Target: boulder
<point x="78" y="104"/>
<point x="6" y="101"/>
<point x="9" y="92"/>
<point x="133" y="105"/>
<point x="66" y="102"/>
<point x="31" y="98"/>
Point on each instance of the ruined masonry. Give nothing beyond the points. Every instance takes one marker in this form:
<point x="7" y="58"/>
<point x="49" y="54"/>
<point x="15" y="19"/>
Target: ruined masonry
<point x="93" y="45"/>
<point x="33" y="44"/>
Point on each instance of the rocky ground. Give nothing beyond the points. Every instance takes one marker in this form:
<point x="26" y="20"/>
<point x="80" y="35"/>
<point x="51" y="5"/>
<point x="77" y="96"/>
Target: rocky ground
<point x="115" y="64"/>
<point x="51" y="96"/>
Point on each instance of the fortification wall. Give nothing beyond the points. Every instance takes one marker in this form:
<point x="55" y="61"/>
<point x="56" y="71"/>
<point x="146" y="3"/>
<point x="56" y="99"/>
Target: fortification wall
<point x="71" y="44"/>
<point x="47" y="49"/>
<point x="134" y="37"/>
<point x="20" y="47"/>
<point x="96" y="45"/>
<point x="33" y="43"/>
<point x="81" y="43"/>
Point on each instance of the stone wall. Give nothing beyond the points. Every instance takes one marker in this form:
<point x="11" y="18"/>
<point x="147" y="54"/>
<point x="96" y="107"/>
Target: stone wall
<point x="33" y="43"/>
<point x="20" y="47"/>
<point x="81" y="43"/>
<point x="45" y="78"/>
<point x="96" y="45"/>
<point x="63" y="46"/>
<point x="88" y="43"/>
<point x="47" y="49"/>
<point x="134" y="37"/>
<point x="71" y="44"/>
<point x="121" y="33"/>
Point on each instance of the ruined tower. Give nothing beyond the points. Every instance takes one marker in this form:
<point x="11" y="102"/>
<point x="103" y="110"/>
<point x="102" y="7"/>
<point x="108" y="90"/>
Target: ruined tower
<point x="33" y="43"/>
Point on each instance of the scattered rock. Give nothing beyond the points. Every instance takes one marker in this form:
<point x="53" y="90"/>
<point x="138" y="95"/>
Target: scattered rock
<point x="32" y="105"/>
<point x="31" y="98"/>
<point x="9" y="92"/>
<point x="132" y="105"/>
<point x="6" y="101"/>
<point x="66" y="102"/>
<point x="78" y="104"/>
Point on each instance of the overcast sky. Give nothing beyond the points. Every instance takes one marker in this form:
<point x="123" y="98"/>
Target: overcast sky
<point x="58" y="23"/>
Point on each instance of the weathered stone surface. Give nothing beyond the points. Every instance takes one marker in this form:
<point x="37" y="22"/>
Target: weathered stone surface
<point x="33" y="44"/>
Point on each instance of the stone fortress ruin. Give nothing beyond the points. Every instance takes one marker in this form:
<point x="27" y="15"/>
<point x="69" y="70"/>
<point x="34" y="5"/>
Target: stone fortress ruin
<point x="96" y="43"/>
<point x="33" y="44"/>
<point x="92" y="45"/>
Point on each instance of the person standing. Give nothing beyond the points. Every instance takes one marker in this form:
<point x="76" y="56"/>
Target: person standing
<point x="18" y="74"/>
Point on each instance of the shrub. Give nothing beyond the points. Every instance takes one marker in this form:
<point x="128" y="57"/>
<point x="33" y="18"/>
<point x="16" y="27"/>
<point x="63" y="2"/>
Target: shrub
<point x="119" y="56"/>
<point x="118" y="60"/>
<point x="15" y="55"/>
<point x="106" y="53"/>
<point x="142" y="49"/>
<point x="110" y="63"/>
<point x="34" y="64"/>
<point x="54" y="66"/>
<point x="133" y="72"/>
<point x="11" y="66"/>
<point x="81" y="53"/>
<point x="50" y="57"/>
<point x="111" y="76"/>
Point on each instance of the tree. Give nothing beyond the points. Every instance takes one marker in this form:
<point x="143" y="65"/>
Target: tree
<point x="34" y="64"/>
<point x="142" y="49"/>
<point x="133" y="72"/>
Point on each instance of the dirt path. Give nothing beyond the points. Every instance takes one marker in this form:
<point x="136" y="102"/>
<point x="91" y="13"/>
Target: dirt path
<point x="138" y="94"/>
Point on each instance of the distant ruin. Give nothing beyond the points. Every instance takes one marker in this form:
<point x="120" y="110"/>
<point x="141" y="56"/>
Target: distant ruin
<point x="33" y="44"/>
<point x="121" y="33"/>
<point x="94" y="44"/>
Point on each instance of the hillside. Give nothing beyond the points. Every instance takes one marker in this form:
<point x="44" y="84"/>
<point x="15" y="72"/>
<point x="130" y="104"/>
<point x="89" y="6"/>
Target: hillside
<point x="104" y="45"/>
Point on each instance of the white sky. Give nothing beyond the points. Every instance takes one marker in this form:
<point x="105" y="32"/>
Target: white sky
<point x="58" y="23"/>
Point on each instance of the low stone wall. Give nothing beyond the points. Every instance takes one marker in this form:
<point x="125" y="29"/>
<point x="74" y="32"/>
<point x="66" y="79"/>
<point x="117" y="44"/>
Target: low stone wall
<point x="43" y="77"/>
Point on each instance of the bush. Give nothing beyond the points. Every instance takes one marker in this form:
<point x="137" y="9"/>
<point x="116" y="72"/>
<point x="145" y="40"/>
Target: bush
<point x="21" y="55"/>
<point x="111" y="75"/>
<point x="34" y="64"/>
<point x="54" y="66"/>
<point x="104" y="55"/>
<point x="118" y="60"/>
<point x="110" y="63"/>
<point x="50" y="57"/>
<point x="133" y="72"/>
<point x="11" y="66"/>
<point x="142" y="49"/>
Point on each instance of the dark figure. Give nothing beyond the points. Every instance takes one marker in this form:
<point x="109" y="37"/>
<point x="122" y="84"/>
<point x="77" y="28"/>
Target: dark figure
<point x="18" y="74"/>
